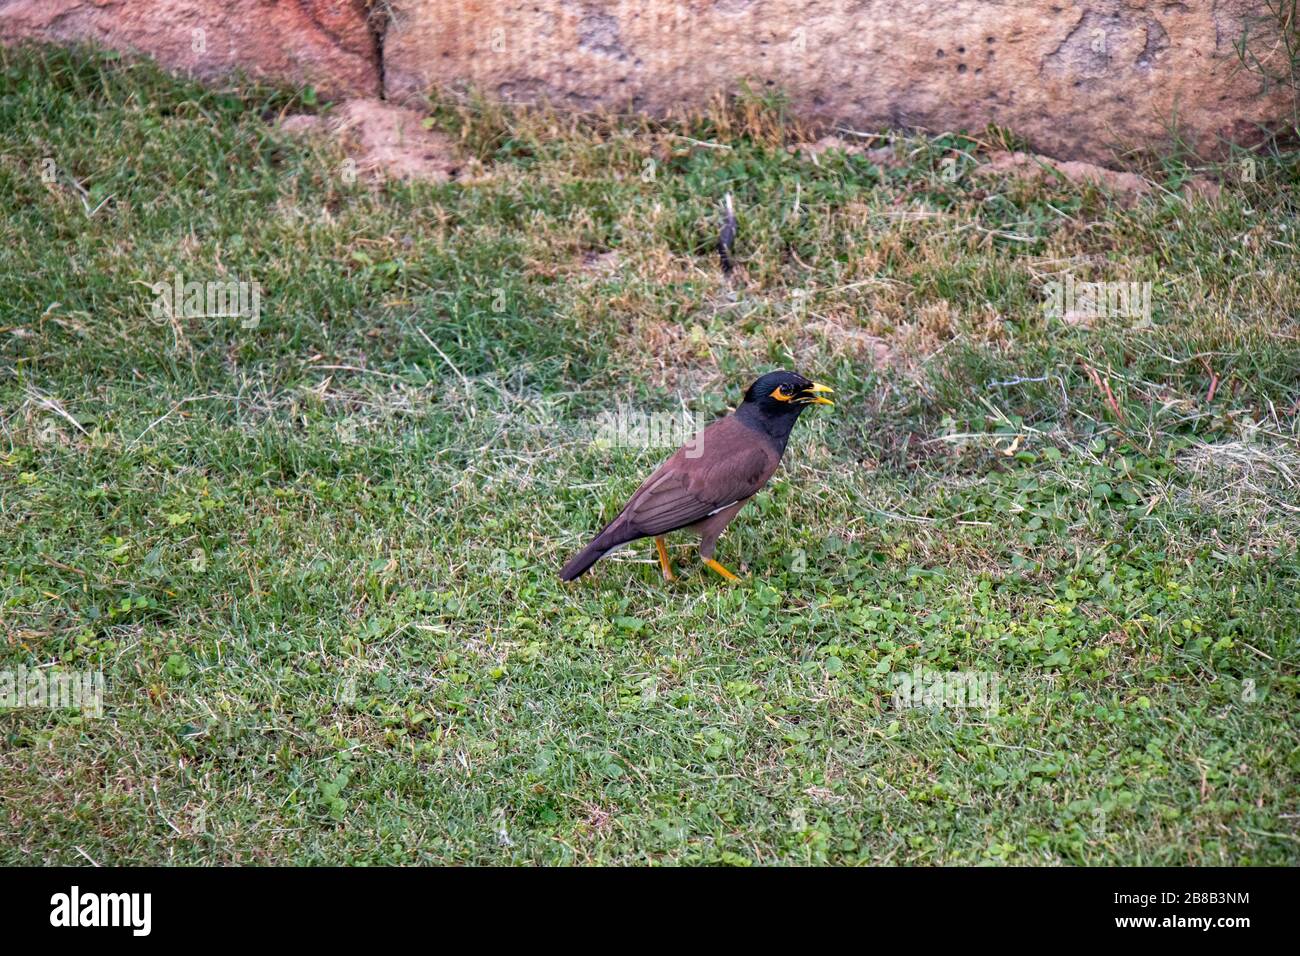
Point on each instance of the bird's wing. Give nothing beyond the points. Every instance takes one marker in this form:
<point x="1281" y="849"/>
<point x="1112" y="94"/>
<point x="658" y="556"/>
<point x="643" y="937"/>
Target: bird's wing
<point x="686" y="490"/>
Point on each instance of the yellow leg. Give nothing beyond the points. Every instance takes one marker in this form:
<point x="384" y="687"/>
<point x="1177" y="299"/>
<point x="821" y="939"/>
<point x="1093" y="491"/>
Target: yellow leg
<point x="720" y="569"/>
<point x="664" y="563"/>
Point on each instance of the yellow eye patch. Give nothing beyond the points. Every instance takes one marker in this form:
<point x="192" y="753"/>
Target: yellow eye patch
<point x="782" y="394"/>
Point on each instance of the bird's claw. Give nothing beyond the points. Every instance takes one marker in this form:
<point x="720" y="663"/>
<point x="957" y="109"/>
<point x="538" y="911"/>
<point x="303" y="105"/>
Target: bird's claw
<point x="709" y="562"/>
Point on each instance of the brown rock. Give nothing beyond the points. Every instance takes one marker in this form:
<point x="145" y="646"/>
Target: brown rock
<point x="385" y="140"/>
<point x="1078" y="78"/>
<point x="326" y="43"/>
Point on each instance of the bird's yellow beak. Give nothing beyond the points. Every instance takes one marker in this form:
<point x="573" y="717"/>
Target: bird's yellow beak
<point x="810" y="394"/>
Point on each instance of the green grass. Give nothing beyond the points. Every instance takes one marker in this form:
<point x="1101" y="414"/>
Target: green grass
<point x="316" y="559"/>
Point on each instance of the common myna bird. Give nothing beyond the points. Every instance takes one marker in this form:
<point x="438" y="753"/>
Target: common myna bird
<point x="705" y="483"/>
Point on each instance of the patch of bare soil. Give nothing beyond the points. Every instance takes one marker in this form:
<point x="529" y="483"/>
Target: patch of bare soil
<point x="881" y="155"/>
<point x="600" y="263"/>
<point x="1125" y="186"/>
<point x="1031" y="166"/>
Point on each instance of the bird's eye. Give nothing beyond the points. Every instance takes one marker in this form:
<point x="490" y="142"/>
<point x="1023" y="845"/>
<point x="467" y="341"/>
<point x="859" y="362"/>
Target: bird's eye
<point x="782" y="394"/>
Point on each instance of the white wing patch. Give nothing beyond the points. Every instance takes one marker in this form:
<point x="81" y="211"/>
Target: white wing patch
<point x="723" y="508"/>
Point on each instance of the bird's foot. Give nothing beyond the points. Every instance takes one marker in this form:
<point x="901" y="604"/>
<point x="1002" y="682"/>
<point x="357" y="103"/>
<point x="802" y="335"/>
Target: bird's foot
<point x="709" y="562"/>
<point x="665" y="564"/>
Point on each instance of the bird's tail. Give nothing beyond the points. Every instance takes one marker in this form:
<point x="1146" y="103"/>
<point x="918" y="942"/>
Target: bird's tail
<point x="584" y="559"/>
<point x="612" y="537"/>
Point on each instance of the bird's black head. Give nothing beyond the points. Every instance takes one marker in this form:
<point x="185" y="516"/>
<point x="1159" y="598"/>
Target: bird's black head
<point x="780" y="394"/>
<point x="773" y="403"/>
